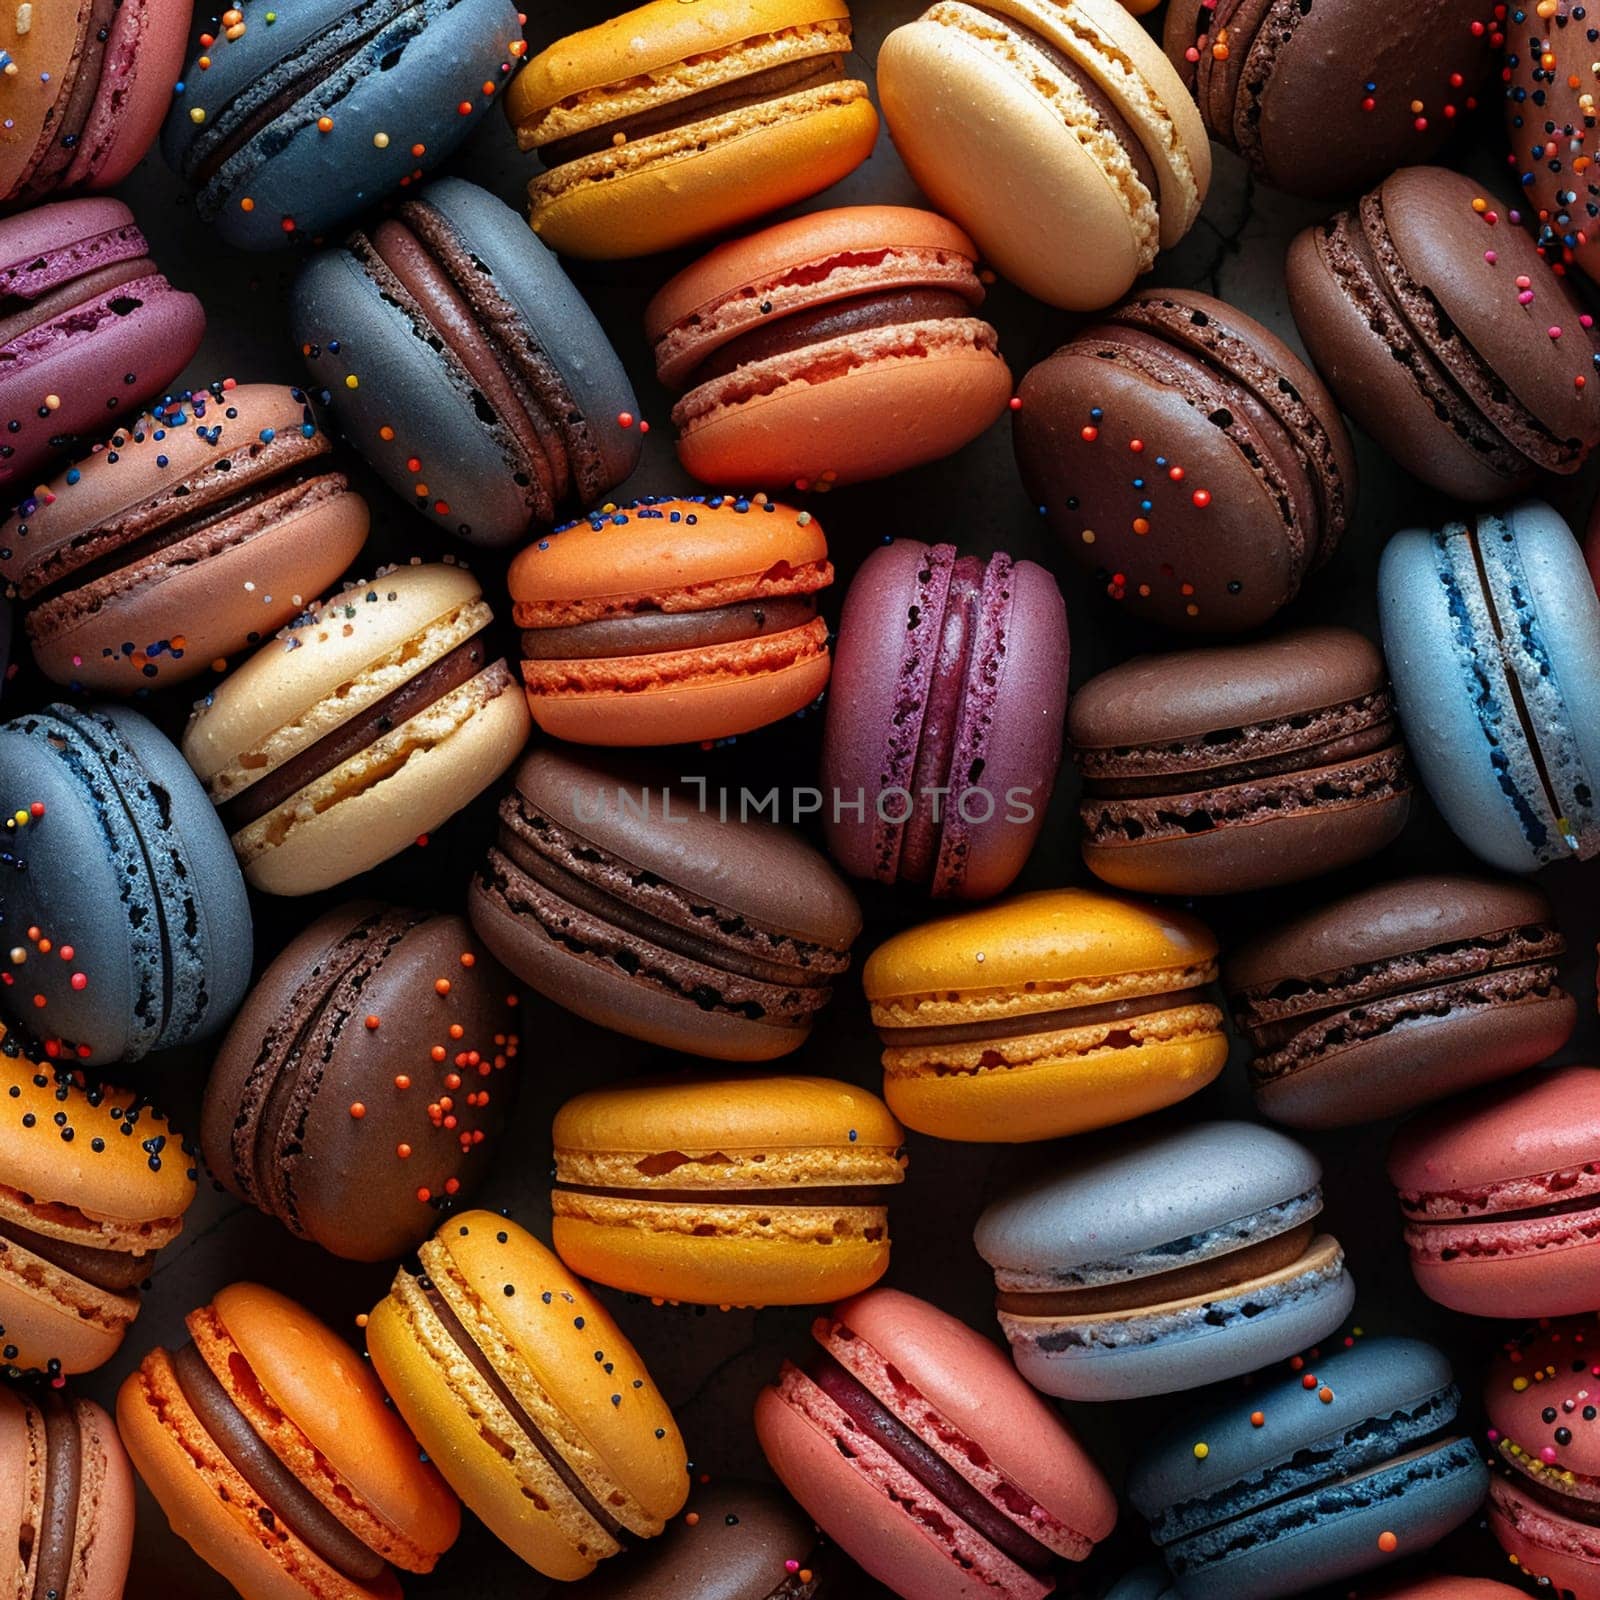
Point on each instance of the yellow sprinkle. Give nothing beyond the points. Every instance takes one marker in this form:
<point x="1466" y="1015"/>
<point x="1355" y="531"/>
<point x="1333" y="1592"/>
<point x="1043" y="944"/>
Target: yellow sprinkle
<point x="352" y="382"/>
<point x="381" y="140"/>
<point x="21" y="819"/>
<point x="1201" y="1451"/>
<point x="197" y="114"/>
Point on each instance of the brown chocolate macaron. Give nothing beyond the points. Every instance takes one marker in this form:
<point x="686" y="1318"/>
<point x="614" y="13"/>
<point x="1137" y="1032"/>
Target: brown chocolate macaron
<point x="1240" y="766"/>
<point x="361" y="1088"/>
<point x="1398" y="995"/>
<point x="645" y="911"/>
<point x="1444" y="333"/>
<point x="1188" y="458"/>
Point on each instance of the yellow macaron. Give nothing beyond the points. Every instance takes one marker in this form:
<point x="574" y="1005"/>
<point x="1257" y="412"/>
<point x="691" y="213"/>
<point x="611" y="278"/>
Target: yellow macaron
<point x="1045" y="1015"/>
<point x="527" y="1397"/>
<point x="685" y="117"/>
<point x="726" y="1190"/>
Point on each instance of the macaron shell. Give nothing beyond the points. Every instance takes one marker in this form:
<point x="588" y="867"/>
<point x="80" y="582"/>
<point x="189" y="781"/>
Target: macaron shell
<point x="45" y="45"/>
<point x="106" y="1507"/>
<point x="1538" y="1388"/>
<point x="751" y="166"/>
<point x="925" y="390"/>
<point x="51" y="1317"/>
<point x="1551" y="1549"/>
<point x="1526" y="1279"/>
<point x="881" y="1537"/>
<point x="1450" y="1589"/>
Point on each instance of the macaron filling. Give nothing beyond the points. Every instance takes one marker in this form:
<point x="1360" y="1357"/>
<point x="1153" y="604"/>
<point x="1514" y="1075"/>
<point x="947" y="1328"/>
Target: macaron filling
<point x="55" y="1535"/>
<point x="1517" y="1510"/>
<point x="1544" y="1212"/>
<point x="1026" y="1024"/>
<point x="656" y="632"/>
<point x="268" y="1477"/>
<point x="116" y="1271"/>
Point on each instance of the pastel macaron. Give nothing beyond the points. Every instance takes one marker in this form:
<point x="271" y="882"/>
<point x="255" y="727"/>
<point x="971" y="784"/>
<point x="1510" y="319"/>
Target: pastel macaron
<point x="1540" y="1398"/>
<point x="323" y="1107"/>
<point x="94" y="329"/>
<point x="366" y="723"/>
<point x="67" y="1506"/>
<point x="1390" y="88"/>
<point x="105" y="74"/>
<point x="267" y="1442"/>
<point x="286" y="127"/>
<point x="913" y="1444"/>
<point x="673" y="621"/>
<point x="1449" y="1588"/>
<point x="1501" y="1196"/>
<point x="93" y="1182"/>
<point x="1187" y="459"/>
<point x="1056" y="134"/>
<point x="200" y="528"/>
<point x="1388" y="998"/>
<point x="1163" y="1260"/>
<point x="612" y="892"/>
<point x="944" y="719"/>
<point x="669" y="123"/>
<point x="1447" y="336"/>
<point x="1239" y="767"/>
<point x="488" y="1348"/>
<point x="1052" y="1013"/>
<point x="121" y="890"/>
<point x="1356" y="1460"/>
<point x="835" y="347"/>
<point x="460" y="361"/>
<point x="727" y="1191"/>
<point x="1491" y="627"/>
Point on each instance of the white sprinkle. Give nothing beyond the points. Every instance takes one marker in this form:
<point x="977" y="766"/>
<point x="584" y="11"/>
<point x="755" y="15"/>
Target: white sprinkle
<point x="24" y="18"/>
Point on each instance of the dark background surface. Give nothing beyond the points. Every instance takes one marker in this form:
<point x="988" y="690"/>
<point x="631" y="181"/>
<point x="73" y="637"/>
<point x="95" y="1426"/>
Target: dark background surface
<point x="711" y="1364"/>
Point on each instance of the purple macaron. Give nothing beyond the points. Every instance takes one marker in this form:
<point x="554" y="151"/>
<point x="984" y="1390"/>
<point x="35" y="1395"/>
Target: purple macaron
<point x="944" y="718"/>
<point x="90" y="329"/>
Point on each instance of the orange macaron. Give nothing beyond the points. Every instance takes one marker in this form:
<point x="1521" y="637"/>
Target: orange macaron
<point x="828" y="349"/>
<point x="270" y="1446"/>
<point x="673" y="621"/>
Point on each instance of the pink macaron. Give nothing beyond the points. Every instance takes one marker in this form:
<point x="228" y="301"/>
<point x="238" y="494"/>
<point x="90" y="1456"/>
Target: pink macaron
<point x="89" y="329"/>
<point x="1501" y="1196"/>
<point x="914" y="1445"/>
<point x="944" y="718"/>
<point x="1542" y="1396"/>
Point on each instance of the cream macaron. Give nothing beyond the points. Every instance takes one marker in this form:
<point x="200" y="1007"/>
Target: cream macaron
<point x="367" y="722"/>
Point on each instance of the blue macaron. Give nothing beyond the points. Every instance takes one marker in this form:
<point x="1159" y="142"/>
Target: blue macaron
<point x="1492" y="631"/>
<point x="291" y="121"/>
<point x="120" y="899"/>
<point x="1327" y="1473"/>
<point x="1143" y="1583"/>
<point x="461" y="362"/>
<point x="1162" y="1261"/>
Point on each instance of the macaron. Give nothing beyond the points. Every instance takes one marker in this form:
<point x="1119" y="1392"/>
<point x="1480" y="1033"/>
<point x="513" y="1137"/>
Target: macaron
<point x="1390" y="87"/>
<point x="671" y="621"/>
<point x="1055" y="132"/>
<point x="366" y="723"/>
<point x="200" y="528"/>
<point x="670" y="122"/>
<point x="527" y="1397"/>
<point x="1188" y="459"/>
<point x="1450" y="1588"/>
<point x="618" y="896"/>
<point x="1048" y="1014"/>
<point x="1491" y="627"/>
<point x="737" y="1541"/>
<point x="93" y="1182"/>
<point x="1165" y="1260"/>
<point x="943" y="730"/>
<point x="912" y="1443"/>
<point x="1143" y="1583"/>
<point x="286" y="126"/>
<point x="832" y="348"/>
<point x="267" y="1442"/>
<point x="1354" y="1461"/>
<point x="68" y="1503"/>
<point x="366" y="1081"/>
<point x="1239" y="767"/>
<point x="93" y="329"/>
<point x="727" y="1191"/>
<point x="100" y="79"/>
<point x="121" y="892"/>
<point x="1550" y="125"/>
<point x="461" y="362"/>
<point x="1383" y="1000"/>
<point x="1446" y="336"/>
<point x="1500" y="1192"/>
<point x="1544" y="1502"/>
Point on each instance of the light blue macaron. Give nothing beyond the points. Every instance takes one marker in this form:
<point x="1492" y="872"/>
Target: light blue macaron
<point x="1302" y="1483"/>
<point x="1088" y="1261"/>
<point x="312" y="112"/>
<point x="1492" y="632"/>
